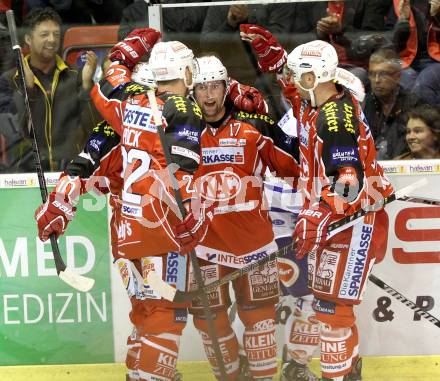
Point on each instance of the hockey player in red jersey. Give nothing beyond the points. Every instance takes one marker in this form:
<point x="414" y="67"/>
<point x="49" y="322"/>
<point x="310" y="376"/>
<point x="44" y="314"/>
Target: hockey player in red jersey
<point x="237" y="147"/>
<point x="340" y="176"/>
<point x="147" y="213"/>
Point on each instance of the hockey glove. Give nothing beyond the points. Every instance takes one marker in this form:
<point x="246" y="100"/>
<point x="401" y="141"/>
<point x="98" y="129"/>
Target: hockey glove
<point x="271" y="55"/>
<point x="138" y="43"/>
<point x="54" y="215"/>
<point x="311" y="229"/>
<point x="247" y="98"/>
<point x="194" y="227"/>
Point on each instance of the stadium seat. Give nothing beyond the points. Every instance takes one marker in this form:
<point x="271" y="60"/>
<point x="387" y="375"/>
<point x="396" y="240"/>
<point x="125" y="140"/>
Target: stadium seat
<point x="80" y="38"/>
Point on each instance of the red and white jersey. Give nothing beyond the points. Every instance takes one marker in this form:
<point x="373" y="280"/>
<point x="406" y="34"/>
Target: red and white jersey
<point x="148" y="205"/>
<point x="235" y="158"/>
<point x="338" y="157"/>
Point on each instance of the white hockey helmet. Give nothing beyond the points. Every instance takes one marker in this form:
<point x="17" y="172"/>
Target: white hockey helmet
<point x="317" y="57"/>
<point x="143" y="75"/>
<point x="209" y="68"/>
<point x="169" y="60"/>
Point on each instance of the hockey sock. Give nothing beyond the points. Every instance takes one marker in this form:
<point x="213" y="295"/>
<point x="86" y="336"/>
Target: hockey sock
<point x="158" y="357"/>
<point x="227" y="340"/>
<point x="133" y="355"/>
<point x="302" y="331"/>
<point x="339" y="349"/>
<point x="259" y="341"/>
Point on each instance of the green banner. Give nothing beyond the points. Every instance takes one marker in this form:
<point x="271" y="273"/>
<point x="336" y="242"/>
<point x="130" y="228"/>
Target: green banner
<point x="43" y="320"/>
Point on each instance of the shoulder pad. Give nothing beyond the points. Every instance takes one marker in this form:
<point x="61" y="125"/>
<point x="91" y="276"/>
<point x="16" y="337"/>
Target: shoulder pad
<point x="338" y="115"/>
<point x="254" y="118"/>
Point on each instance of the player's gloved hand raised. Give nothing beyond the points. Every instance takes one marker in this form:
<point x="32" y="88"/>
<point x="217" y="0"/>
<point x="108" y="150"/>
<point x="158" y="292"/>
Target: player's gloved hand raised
<point x="247" y="98"/>
<point x="311" y="229"/>
<point x="54" y="215"/>
<point x="130" y="50"/>
<point x="271" y="55"/>
<point x="194" y="227"/>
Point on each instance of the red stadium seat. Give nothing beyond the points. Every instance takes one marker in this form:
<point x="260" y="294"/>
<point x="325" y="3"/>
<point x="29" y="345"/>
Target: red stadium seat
<point x="80" y="38"/>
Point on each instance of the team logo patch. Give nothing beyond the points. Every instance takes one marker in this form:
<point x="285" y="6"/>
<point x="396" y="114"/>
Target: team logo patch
<point x="220" y="185"/>
<point x="180" y="315"/>
<point x="182" y="151"/>
<point x="324" y="307"/>
<point x="288" y="271"/>
<point x="344" y="155"/>
<point x="150" y="264"/>
<point x="231" y="142"/>
<point x="325" y="273"/>
<point x="264" y="281"/>
<point x="188" y="133"/>
<point x="221" y="155"/>
<point x="210" y="274"/>
<point x="138" y="117"/>
<point x="356" y="265"/>
<point x="131" y="210"/>
<point x="124" y="271"/>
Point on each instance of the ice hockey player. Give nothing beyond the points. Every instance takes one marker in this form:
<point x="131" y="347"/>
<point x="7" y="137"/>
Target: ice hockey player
<point x="342" y="186"/>
<point x="147" y="200"/>
<point x="237" y="147"/>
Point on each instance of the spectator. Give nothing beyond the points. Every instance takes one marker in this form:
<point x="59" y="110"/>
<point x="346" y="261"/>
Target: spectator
<point x="59" y="97"/>
<point x="221" y="34"/>
<point x="354" y="16"/>
<point x="422" y="134"/>
<point x="187" y="22"/>
<point x="427" y="85"/>
<point x="387" y="103"/>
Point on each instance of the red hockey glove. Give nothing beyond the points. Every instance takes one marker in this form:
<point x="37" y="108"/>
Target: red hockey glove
<point x="271" y="55"/>
<point x="247" y="98"/>
<point x="138" y="43"/>
<point x="194" y="227"/>
<point x="54" y="215"/>
<point x="311" y="229"/>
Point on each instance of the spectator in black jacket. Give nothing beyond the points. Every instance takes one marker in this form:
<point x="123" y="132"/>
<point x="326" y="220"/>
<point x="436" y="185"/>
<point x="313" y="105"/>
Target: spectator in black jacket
<point x="387" y="103"/>
<point x="59" y="96"/>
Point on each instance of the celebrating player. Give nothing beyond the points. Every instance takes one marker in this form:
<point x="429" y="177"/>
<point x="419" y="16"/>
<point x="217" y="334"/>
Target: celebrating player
<point x="237" y="147"/>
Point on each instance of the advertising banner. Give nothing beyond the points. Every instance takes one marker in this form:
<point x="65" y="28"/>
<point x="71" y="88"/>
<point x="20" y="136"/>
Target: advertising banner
<point x="43" y="320"/>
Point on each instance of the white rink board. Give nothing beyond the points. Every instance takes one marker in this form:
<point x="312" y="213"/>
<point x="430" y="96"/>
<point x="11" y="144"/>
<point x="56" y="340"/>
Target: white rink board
<point x="402" y="335"/>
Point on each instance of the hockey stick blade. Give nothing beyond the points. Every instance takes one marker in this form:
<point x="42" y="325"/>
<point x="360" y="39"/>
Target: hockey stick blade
<point x="73" y="279"/>
<point x="77" y="281"/>
<point x="388" y="289"/>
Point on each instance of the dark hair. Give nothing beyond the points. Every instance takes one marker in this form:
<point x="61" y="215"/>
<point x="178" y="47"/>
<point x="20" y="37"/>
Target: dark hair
<point x="430" y="116"/>
<point x="388" y="55"/>
<point x="39" y="15"/>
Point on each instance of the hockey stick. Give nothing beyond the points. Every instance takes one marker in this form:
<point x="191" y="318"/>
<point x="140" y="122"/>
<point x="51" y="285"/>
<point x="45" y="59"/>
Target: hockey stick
<point x="400" y="194"/>
<point x="67" y="275"/>
<point x="396" y="294"/>
<point x="170" y="293"/>
<point x="193" y="257"/>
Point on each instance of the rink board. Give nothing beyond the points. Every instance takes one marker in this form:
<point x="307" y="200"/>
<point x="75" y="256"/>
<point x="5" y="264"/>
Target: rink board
<point x="94" y="326"/>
